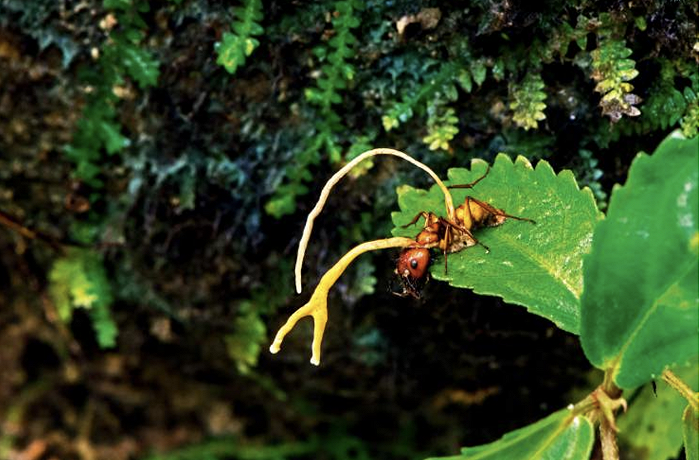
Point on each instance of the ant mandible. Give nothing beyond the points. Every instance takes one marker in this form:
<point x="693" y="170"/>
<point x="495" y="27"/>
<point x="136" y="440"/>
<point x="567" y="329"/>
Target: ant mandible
<point x="448" y="235"/>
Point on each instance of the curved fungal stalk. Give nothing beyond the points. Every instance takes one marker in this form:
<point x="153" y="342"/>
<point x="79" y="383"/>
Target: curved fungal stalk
<point x="317" y="306"/>
<point x="449" y="207"/>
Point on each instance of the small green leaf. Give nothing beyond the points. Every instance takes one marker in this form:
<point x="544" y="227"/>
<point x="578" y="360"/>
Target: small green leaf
<point x="230" y="52"/>
<point x="690" y="433"/>
<point x="139" y="64"/>
<point x="560" y="436"/>
<point x="442" y="128"/>
<point x="113" y="140"/>
<point x="245" y="343"/>
<point x="235" y="47"/>
<point x="537" y="266"/>
<point x="640" y="302"/>
<point x="478" y="70"/>
<point x="464" y="80"/>
<point x="79" y="280"/>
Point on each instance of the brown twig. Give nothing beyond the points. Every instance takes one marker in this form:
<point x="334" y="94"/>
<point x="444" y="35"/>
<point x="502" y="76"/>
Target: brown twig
<point x="13" y="224"/>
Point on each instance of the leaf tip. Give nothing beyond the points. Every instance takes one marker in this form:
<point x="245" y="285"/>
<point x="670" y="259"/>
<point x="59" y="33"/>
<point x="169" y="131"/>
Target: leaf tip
<point x="543" y="167"/>
<point x="502" y="157"/>
<point x="478" y="162"/>
<point x="521" y="160"/>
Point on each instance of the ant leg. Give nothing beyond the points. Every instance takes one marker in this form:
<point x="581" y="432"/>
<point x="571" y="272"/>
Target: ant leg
<point x="415" y="219"/>
<point x="524" y="219"/>
<point x="463" y="230"/>
<point x="447" y="237"/>
<point x="486" y="248"/>
<point x="448" y="223"/>
<point x="471" y="184"/>
<point x="498" y="212"/>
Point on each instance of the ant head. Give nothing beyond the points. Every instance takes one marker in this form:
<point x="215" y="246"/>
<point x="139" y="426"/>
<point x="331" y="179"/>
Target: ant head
<point x="413" y="263"/>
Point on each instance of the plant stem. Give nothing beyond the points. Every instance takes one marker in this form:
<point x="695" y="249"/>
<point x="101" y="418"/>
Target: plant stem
<point x="608" y="440"/>
<point x="609" y="386"/>
<point x="681" y="387"/>
<point x="609" y="399"/>
<point x="585" y="406"/>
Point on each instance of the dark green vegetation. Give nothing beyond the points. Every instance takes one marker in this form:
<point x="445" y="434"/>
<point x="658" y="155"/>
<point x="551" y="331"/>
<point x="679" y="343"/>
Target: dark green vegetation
<point x="157" y="161"/>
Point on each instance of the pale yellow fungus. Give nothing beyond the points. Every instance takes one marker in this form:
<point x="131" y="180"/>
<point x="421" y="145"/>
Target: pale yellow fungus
<point x="449" y="207"/>
<point x="317" y="306"/>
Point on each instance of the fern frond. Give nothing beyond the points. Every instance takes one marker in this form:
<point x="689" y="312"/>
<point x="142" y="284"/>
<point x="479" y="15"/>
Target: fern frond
<point x="612" y="70"/>
<point x="439" y="85"/>
<point x="442" y="128"/>
<point x="98" y="130"/>
<point x="690" y="123"/>
<point x="338" y="71"/>
<point x="528" y="101"/>
<point x="235" y="47"/>
<point x="335" y="76"/>
<point x="245" y="344"/>
<point x="664" y="108"/>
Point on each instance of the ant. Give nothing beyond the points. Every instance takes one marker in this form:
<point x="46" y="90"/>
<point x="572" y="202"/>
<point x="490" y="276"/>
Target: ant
<point x="449" y="235"/>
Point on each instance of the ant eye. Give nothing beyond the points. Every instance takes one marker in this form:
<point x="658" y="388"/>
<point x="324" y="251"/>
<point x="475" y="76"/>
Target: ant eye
<point x="414" y="263"/>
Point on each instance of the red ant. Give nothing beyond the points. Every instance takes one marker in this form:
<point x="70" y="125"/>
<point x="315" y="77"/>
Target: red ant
<point x="448" y="235"/>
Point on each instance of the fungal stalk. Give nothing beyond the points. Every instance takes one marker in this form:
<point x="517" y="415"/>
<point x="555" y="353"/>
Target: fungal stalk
<point x="449" y="207"/>
<point x="317" y="306"/>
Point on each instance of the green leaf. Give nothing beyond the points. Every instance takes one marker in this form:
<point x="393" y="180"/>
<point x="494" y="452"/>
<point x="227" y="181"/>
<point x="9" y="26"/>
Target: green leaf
<point x="230" y="52"/>
<point x="478" y="70"/>
<point x="640" y="300"/>
<point x="651" y="424"/>
<point x="113" y="140"/>
<point x="79" y="280"/>
<point x="139" y="64"/>
<point x="117" y="4"/>
<point x="537" y="266"/>
<point x="245" y="343"/>
<point x="560" y="436"/>
<point x="234" y="48"/>
<point x="690" y="433"/>
<point x="464" y="80"/>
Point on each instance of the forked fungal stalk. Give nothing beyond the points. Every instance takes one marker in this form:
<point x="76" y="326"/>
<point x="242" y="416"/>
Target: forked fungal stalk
<point x="317" y="306"/>
<point x="449" y="207"/>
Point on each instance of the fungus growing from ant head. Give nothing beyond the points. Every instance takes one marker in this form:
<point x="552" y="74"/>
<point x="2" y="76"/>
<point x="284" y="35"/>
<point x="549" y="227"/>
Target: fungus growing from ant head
<point x="452" y="233"/>
<point x="317" y="306"/>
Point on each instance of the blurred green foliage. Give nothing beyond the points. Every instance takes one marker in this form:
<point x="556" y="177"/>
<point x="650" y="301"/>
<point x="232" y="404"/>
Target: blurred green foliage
<point x="336" y="445"/>
<point x="528" y="106"/>
<point x="335" y="73"/>
<point x="99" y="129"/>
<point x="78" y="280"/>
